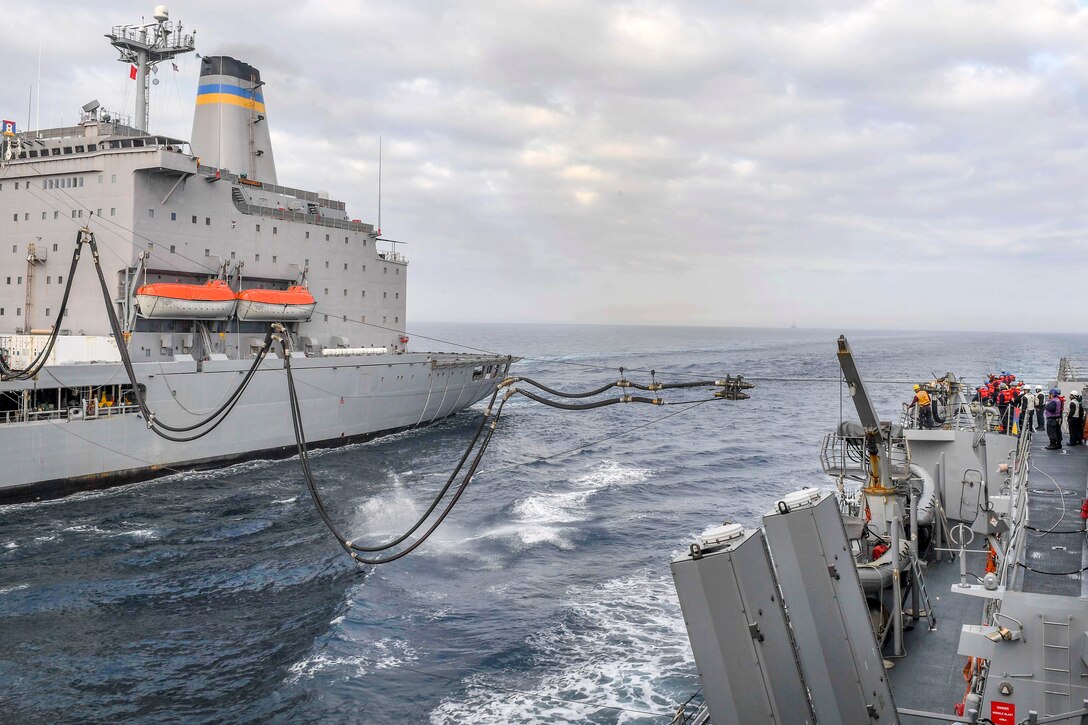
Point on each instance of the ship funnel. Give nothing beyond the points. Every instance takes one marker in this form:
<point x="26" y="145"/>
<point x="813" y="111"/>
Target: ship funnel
<point x="230" y="126"/>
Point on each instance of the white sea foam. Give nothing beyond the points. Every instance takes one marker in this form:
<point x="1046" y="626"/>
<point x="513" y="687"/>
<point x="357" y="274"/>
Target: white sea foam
<point x="13" y="588"/>
<point x="138" y="533"/>
<point x="87" y="529"/>
<point x="607" y="474"/>
<point x="11" y="545"/>
<point x="379" y="655"/>
<point x="550" y="517"/>
<point x="610" y="650"/>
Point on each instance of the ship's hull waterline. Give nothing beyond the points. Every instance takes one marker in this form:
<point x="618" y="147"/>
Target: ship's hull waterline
<point x="343" y="400"/>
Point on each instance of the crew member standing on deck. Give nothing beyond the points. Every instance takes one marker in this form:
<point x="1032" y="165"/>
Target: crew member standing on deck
<point x="1053" y="414"/>
<point x="1040" y="403"/>
<point x="1076" y="419"/>
<point x="1004" y="406"/>
<point x="922" y="403"/>
<point x="1027" y="410"/>
<point x="936" y="401"/>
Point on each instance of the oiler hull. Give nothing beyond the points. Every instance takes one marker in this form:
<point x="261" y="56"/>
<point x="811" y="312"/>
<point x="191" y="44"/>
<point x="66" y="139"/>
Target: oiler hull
<point x="343" y="400"/>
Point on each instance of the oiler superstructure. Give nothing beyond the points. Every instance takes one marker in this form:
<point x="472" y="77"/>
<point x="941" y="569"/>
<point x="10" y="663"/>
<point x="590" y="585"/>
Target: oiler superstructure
<point x="202" y="249"/>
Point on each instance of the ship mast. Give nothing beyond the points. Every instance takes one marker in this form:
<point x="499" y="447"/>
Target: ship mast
<point x="144" y="47"/>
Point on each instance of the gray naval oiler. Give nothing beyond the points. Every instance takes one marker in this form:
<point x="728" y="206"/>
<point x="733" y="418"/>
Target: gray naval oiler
<point x="164" y="210"/>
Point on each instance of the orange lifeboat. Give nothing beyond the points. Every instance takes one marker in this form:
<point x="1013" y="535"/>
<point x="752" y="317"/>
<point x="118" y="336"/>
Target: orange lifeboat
<point x="294" y="304"/>
<point x="213" y="300"/>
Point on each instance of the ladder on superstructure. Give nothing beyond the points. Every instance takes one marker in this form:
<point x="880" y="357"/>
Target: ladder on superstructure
<point x="31" y="262"/>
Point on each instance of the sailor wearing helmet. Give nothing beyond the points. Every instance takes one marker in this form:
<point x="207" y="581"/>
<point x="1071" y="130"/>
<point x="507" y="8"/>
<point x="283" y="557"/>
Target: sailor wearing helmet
<point x="1053" y="414"/>
<point x="1076" y="418"/>
<point x="925" y="412"/>
<point x="1040" y="403"/>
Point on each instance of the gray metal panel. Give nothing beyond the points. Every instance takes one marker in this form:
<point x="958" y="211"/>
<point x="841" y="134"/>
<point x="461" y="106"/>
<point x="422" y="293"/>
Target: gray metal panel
<point x="739" y="635"/>
<point x="962" y="494"/>
<point x="830" y="620"/>
<point x="1046" y="672"/>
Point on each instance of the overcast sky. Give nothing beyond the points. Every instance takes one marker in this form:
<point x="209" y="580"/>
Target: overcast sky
<point x="896" y="163"/>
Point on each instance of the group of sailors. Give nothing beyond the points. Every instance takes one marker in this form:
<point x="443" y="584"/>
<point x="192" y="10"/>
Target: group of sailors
<point x="1011" y="405"/>
<point x="1021" y="407"/>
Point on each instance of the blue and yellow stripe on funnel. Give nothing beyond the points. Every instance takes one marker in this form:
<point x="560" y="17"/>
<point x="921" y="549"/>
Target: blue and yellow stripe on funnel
<point x="233" y="95"/>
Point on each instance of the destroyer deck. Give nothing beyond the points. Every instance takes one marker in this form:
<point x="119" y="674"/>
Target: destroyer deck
<point x="930" y="677"/>
<point x="1059" y="480"/>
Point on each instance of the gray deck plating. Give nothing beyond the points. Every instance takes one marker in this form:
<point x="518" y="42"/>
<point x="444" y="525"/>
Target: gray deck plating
<point x="930" y="677"/>
<point x="1049" y="509"/>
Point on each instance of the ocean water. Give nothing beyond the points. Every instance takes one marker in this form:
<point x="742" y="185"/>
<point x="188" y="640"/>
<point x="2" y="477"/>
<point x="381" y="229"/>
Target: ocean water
<point x="546" y="596"/>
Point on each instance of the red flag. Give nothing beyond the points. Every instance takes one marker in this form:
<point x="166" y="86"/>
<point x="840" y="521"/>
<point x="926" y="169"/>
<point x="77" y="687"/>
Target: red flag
<point x="132" y="72"/>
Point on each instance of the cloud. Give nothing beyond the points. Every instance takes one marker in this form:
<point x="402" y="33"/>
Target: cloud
<point x="682" y="162"/>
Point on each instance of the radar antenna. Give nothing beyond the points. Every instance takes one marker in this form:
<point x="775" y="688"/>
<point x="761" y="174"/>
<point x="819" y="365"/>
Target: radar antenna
<point x="144" y="47"/>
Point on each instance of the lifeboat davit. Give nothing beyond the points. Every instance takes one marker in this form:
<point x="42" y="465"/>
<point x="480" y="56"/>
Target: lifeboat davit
<point x="294" y="304"/>
<point x="213" y="300"/>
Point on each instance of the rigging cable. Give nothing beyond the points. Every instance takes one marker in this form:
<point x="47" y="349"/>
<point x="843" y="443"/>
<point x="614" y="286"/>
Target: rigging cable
<point x="216" y="417"/>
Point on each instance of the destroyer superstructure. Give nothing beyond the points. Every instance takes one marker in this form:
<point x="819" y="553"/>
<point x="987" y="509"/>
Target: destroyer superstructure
<point x="846" y="606"/>
<point x="165" y="211"/>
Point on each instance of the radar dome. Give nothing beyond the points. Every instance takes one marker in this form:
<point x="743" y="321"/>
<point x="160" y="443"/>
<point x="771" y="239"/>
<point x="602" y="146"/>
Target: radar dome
<point x="161" y="13"/>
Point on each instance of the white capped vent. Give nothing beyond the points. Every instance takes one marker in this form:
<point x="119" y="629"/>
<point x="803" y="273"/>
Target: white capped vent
<point x="804" y="498"/>
<point x="720" y="535"/>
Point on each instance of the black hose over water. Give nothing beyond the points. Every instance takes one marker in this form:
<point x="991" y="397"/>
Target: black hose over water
<point x="218" y="416"/>
<point x="590" y="406"/>
<point x="311" y="484"/>
<point x="730" y="384"/>
<point x="441" y="494"/>
<point x="355" y="550"/>
<point x="562" y="394"/>
<point x="38" y="362"/>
